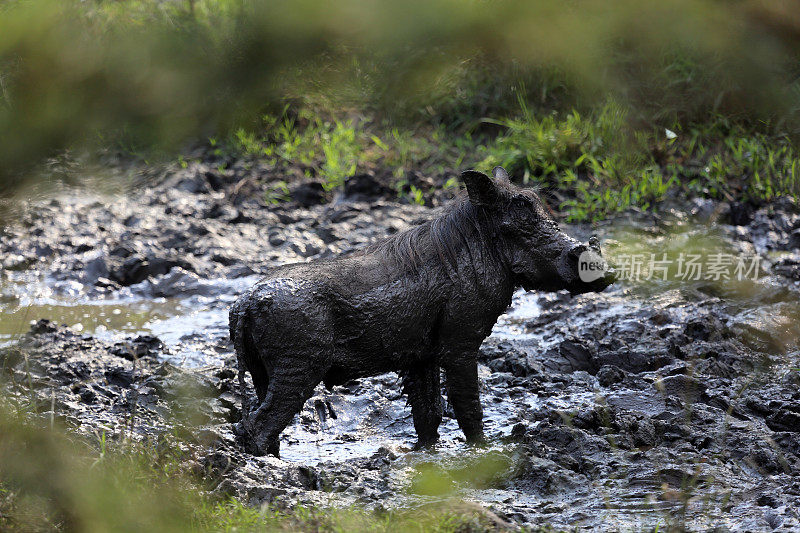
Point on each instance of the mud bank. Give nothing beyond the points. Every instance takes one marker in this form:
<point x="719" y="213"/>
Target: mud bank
<point x="653" y="403"/>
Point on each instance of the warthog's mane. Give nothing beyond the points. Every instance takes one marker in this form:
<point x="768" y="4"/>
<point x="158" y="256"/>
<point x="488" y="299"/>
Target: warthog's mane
<point x="460" y="225"/>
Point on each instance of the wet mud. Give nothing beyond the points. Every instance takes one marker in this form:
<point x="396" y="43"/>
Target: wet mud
<point x="654" y="403"/>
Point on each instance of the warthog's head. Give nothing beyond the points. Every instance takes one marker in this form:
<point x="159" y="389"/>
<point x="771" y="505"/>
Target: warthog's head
<point x="540" y="256"/>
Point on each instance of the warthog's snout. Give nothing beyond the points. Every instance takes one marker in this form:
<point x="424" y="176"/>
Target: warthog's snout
<point x="588" y="270"/>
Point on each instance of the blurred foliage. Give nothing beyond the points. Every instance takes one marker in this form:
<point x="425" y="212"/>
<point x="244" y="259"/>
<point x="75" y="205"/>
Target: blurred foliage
<point x="52" y="480"/>
<point x="481" y="470"/>
<point x="158" y="73"/>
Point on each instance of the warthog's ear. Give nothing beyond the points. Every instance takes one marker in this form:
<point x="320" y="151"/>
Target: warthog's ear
<point x="480" y="187"/>
<point x="500" y="174"/>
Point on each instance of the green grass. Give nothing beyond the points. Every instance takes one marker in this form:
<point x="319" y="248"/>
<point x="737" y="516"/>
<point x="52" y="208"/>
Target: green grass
<point x="331" y="149"/>
<point x="726" y="161"/>
<point x="233" y="516"/>
<point x="596" y="160"/>
<point x="590" y="166"/>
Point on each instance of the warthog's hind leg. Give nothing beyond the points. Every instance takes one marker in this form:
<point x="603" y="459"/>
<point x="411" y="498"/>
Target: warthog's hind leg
<point x="422" y="384"/>
<point x="291" y="383"/>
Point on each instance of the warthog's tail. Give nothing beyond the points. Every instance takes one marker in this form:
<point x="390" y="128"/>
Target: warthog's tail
<point x="237" y="320"/>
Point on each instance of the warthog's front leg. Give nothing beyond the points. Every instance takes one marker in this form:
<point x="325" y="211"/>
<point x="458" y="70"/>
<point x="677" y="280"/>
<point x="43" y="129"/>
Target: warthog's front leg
<point x="422" y="384"/>
<point x="462" y="392"/>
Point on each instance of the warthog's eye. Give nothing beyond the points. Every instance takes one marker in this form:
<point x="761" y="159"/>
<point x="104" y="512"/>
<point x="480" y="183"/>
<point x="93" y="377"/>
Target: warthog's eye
<point x="522" y="205"/>
<point x="521" y="215"/>
<point x="525" y="208"/>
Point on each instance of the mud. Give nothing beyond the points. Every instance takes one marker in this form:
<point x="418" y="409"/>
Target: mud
<point x="651" y="404"/>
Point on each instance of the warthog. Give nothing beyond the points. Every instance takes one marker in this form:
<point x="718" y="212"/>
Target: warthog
<point x="414" y="303"/>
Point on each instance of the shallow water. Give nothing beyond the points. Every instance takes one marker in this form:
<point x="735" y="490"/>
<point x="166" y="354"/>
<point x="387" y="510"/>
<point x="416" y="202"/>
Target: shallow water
<point x="183" y="323"/>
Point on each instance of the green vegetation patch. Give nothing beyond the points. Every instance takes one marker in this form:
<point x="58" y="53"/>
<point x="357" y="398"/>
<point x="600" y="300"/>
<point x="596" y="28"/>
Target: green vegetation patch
<point x="587" y="166"/>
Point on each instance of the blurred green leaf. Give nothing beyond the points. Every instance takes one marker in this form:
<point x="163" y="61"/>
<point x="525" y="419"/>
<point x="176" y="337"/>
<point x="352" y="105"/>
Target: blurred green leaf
<point x="157" y="74"/>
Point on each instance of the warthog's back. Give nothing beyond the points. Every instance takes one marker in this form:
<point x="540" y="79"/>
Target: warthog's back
<point x="354" y="305"/>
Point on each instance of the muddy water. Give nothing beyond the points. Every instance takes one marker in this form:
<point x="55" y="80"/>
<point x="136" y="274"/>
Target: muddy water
<point x="184" y="325"/>
<point x="656" y="402"/>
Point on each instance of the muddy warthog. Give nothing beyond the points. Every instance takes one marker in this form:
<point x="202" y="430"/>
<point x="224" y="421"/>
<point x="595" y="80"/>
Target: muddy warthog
<point x="414" y="303"/>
